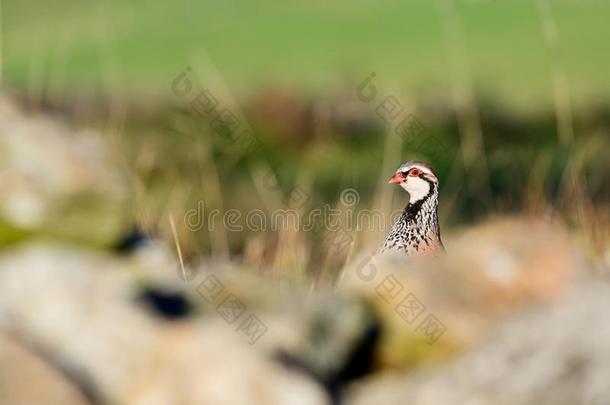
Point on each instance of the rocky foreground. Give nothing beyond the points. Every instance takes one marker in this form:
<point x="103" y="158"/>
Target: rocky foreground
<point x="80" y="326"/>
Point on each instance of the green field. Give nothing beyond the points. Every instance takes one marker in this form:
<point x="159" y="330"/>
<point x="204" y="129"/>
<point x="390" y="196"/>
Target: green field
<point x="137" y="46"/>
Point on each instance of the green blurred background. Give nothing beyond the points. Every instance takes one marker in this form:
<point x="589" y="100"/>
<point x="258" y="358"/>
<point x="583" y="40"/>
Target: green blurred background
<point x="134" y="46"/>
<point x="517" y="92"/>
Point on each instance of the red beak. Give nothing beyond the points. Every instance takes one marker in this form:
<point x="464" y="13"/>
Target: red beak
<point x="396" y="179"/>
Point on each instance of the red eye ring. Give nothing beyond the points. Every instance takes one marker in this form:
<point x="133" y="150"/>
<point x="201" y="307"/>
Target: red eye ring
<point x="414" y="172"/>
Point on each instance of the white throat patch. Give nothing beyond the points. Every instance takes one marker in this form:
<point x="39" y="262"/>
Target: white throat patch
<point x="416" y="187"/>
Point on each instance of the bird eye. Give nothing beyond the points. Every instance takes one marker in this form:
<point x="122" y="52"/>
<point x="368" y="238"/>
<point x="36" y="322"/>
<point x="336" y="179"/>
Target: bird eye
<point x="414" y="172"/>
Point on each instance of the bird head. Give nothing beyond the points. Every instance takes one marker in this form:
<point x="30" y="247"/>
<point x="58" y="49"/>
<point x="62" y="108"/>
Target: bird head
<point x="416" y="178"/>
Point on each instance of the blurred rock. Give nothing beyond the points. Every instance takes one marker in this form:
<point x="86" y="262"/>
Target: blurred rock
<point x="499" y="317"/>
<point x="25" y="378"/>
<point x="555" y="355"/>
<point x="56" y="180"/>
<point x="519" y="261"/>
<point x="338" y="344"/>
<point x="82" y="309"/>
<point x="435" y="309"/>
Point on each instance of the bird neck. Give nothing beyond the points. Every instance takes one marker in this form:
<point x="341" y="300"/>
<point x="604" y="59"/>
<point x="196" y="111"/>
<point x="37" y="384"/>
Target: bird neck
<point x="423" y="213"/>
<point x="417" y="228"/>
